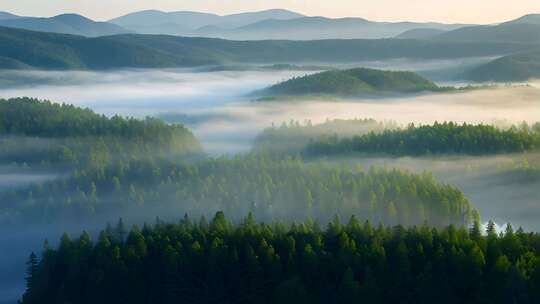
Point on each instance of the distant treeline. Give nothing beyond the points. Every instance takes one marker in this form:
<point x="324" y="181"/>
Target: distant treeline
<point x="218" y="262"/>
<point x="339" y="138"/>
<point x="274" y="189"/>
<point x="439" y="138"/>
<point x="42" y="132"/>
<point x="294" y="136"/>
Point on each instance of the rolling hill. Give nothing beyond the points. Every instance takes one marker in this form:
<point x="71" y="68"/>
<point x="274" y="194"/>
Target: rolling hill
<point x="22" y="48"/>
<point x="518" y="67"/>
<point x="64" y="24"/>
<point x="349" y="83"/>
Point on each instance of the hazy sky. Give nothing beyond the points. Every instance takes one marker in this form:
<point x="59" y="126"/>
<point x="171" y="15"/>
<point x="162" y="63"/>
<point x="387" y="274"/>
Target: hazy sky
<point x="467" y="11"/>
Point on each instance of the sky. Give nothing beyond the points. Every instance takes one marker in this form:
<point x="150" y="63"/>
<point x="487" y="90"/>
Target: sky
<point x="448" y="11"/>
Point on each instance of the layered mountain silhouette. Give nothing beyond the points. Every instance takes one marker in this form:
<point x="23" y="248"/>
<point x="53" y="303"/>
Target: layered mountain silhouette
<point x="186" y="22"/>
<point x="64" y="24"/>
<point x="269" y="24"/>
<point x="278" y="24"/>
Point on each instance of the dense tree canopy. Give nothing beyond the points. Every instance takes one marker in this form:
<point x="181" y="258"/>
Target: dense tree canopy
<point x="439" y="138"/>
<point x="218" y="262"/>
<point x="42" y="132"/>
<point x="284" y="189"/>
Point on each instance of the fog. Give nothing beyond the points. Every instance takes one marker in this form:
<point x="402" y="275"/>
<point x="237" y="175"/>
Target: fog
<point x="214" y="105"/>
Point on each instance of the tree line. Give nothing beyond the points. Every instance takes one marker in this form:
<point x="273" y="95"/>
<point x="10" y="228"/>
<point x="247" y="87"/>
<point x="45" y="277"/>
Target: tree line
<point x="217" y="261"/>
<point x="439" y="138"/>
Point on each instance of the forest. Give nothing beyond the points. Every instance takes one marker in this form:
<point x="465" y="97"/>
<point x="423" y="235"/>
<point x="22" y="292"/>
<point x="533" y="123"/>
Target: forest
<point x="129" y="168"/>
<point x="42" y="134"/>
<point x="125" y="166"/>
<point x="273" y="189"/>
<point x="217" y="261"/>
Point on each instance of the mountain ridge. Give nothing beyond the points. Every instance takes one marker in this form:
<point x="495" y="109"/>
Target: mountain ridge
<point x="63" y="51"/>
<point x="64" y="24"/>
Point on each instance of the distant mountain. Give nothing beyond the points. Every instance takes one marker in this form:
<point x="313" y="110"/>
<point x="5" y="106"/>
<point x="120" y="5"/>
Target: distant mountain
<point x="185" y="22"/>
<point x="530" y="19"/>
<point x="517" y="67"/>
<point x="353" y="82"/>
<point x="514" y="32"/>
<point x="313" y="28"/>
<point x="422" y="33"/>
<point x="243" y="19"/>
<point x="29" y="49"/>
<point x="6" y="15"/>
<point x="64" y="24"/>
<point x="270" y="24"/>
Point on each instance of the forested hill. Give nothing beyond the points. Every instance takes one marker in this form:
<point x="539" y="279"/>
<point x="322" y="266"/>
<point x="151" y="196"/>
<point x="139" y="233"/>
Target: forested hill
<point x="517" y="67"/>
<point x="37" y="132"/>
<point x="352" y="82"/>
<point x="28" y="49"/>
<point x="219" y="262"/>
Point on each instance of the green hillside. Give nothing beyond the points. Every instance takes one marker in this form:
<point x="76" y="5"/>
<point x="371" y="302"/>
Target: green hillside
<point x="352" y="82"/>
<point x="518" y="67"/>
<point x="59" y="51"/>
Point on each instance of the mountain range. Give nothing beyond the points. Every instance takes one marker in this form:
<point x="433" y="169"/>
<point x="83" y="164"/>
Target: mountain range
<point x="64" y="24"/>
<point x="269" y="24"/>
<point x="277" y="24"/>
<point x="185" y="22"/>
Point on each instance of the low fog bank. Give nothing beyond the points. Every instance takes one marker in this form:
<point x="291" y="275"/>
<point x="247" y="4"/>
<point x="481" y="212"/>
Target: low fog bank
<point x="214" y="105"/>
<point x="232" y="128"/>
<point x="141" y="93"/>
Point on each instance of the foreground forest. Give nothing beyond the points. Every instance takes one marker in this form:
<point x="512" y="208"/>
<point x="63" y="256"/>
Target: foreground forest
<point x="221" y="262"/>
